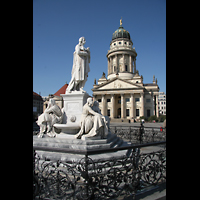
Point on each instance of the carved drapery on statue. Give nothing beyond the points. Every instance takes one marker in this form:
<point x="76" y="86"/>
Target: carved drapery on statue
<point x="46" y="120"/>
<point x="93" y="123"/>
<point x="80" y="69"/>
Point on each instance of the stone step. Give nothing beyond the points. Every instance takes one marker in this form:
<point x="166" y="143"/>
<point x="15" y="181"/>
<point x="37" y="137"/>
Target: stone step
<point x="74" y="141"/>
<point x="112" y="141"/>
<point x="70" y="158"/>
<point x="73" y="146"/>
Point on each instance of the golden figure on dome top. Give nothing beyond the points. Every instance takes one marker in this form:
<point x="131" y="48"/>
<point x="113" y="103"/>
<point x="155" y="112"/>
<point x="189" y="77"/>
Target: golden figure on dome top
<point x="121" y="21"/>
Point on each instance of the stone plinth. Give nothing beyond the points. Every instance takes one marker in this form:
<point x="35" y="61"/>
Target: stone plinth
<point x="112" y="141"/>
<point x="73" y="106"/>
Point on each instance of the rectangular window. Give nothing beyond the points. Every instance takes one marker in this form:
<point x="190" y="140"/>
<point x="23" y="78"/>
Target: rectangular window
<point x="127" y="112"/>
<point x="119" y="101"/>
<point x="148" y="112"/>
<point x="126" y="68"/>
<point x="108" y="100"/>
<point x="148" y="100"/>
<point x="108" y="112"/>
<point x="127" y="99"/>
<point x="137" y="112"/>
<point x="99" y="100"/>
<point x="137" y="99"/>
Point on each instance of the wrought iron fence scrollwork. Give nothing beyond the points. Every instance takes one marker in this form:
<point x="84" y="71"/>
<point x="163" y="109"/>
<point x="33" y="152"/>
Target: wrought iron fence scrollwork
<point x="54" y="179"/>
<point x="89" y="179"/>
<point x="139" y="134"/>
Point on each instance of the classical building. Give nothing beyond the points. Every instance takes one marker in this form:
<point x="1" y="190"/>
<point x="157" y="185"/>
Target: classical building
<point x="162" y="103"/>
<point x="123" y="94"/>
<point x="56" y="96"/>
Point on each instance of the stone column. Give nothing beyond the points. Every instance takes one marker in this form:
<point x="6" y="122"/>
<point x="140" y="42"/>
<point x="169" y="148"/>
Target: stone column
<point x="103" y="104"/>
<point x="111" y="71"/>
<point x="135" y="65"/>
<point x="153" y="105"/>
<point x="94" y="97"/>
<point x="130" y="63"/>
<point x="122" y="106"/>
<point x="123" y="63"/>
<point x="142" y="104"/>
<point x="157" y="111"/>
<point x="132" y="106"/>
<point x="116" y="64"/>
<point x="108" y="66"/>
<point x="113" y="106"/>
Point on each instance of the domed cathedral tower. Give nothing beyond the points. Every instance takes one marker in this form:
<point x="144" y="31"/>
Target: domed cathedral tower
<point x="122" y="95"/>
<point x="121" y="56"/>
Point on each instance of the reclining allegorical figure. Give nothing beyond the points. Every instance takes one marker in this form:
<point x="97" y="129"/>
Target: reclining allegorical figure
<point x="46" y="120"/>
<point x="93" y="123"/>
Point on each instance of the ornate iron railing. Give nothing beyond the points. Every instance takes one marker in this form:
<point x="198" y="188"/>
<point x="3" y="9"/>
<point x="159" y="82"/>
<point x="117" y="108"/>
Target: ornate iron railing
<point x="90" y="178"/>
<point x="139" y="134"/>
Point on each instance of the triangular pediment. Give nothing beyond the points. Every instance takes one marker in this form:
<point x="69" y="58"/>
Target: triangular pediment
<point x="117" y="83"/>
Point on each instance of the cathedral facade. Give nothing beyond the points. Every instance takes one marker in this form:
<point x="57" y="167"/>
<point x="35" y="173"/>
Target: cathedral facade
<point x="123" y="94"/>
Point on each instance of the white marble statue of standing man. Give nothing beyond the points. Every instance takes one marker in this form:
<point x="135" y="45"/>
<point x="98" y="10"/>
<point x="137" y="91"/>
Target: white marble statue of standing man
<point x="80" y="69"/>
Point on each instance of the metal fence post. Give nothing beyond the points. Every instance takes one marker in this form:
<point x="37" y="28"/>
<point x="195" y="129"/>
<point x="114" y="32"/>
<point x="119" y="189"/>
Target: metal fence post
<point x="136" y="175"/>
<point x="86" y="177"/>
<point x="141" y="132"/>
<point x="153" y="133"/>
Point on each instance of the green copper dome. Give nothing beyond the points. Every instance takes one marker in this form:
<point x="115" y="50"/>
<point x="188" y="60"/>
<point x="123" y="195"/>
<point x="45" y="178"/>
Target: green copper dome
<point x="120" y="33"/>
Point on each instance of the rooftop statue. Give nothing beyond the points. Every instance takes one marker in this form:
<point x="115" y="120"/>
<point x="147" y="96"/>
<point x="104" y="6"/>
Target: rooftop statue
<point x="80" y="67"/>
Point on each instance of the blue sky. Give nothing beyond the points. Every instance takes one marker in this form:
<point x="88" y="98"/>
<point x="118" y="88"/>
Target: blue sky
<point x="58" y="25"/>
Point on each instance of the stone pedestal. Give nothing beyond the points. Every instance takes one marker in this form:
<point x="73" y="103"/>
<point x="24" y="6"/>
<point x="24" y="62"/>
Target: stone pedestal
<point x="112" y="141"/>
<point x="73" y="106"/>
